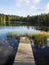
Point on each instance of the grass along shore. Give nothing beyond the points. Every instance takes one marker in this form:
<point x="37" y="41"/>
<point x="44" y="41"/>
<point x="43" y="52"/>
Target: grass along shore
<point x="39" y="38"/>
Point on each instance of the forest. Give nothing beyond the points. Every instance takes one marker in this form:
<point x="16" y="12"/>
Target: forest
<point x="13" y="20"/>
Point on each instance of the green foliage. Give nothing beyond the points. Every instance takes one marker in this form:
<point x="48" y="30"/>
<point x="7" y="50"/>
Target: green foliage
<point x="13" y="20"/>
<point x="40" y="38"/>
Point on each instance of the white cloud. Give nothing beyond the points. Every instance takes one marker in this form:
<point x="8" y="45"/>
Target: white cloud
<point x="42" y="9"/>
<point x="19" y="2"/>
<point x="33" y="6"/>
<point x="47" y="7"/>
<point x="27" y="2"/>
<point x="36" y="1"/>
<point x="1" y="8"/>
<point x="22" y="2"/>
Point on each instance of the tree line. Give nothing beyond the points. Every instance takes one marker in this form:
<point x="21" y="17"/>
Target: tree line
<point x="13" y="20"/>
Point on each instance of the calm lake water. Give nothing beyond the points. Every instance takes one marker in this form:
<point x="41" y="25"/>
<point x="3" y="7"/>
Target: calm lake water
<point x="18" y="29"/>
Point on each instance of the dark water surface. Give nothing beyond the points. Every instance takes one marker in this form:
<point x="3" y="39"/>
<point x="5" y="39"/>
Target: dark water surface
<point x="8" y="50"/>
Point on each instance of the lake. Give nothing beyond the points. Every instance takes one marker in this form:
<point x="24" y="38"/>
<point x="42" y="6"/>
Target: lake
<point x="18" y="29"/>
<point x="8" y="47"/>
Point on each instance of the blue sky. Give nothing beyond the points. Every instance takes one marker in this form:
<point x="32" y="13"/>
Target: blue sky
<point x="24" y="7"/>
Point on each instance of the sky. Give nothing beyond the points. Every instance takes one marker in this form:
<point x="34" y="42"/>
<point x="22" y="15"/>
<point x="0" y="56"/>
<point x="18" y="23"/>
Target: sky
<point x="24" y="7"/>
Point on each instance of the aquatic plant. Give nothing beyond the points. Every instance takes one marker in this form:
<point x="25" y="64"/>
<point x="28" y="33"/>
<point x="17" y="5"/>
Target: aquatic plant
<point x="40" y="38"/>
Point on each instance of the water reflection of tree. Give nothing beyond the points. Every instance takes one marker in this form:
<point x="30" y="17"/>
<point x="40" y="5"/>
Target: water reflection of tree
<point x="28" y="27"/>
<point x="43" y="28"/>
